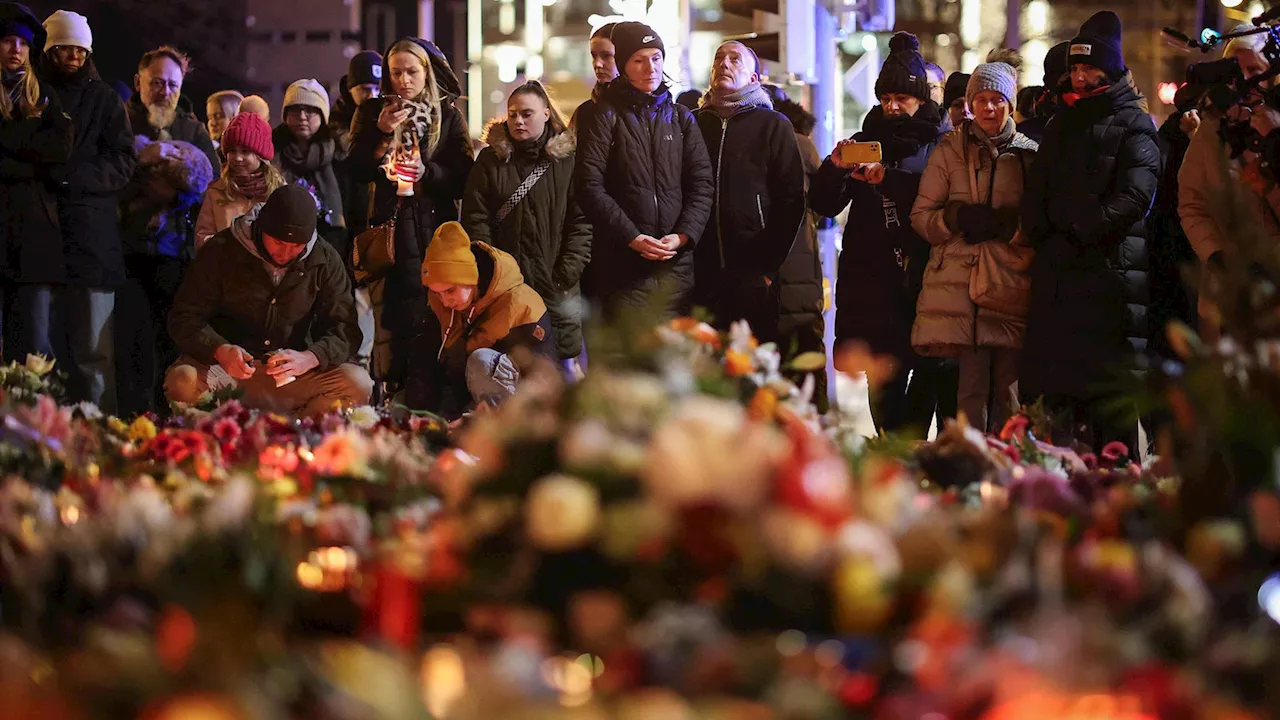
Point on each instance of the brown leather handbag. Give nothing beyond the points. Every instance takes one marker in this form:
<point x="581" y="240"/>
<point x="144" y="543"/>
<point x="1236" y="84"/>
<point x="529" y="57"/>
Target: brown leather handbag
<point x="373" y="253"/>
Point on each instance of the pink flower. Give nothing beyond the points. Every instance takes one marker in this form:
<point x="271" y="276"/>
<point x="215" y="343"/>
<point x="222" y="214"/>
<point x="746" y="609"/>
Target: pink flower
<point x="226" y="430"/>
<point x="1115" y="451"/>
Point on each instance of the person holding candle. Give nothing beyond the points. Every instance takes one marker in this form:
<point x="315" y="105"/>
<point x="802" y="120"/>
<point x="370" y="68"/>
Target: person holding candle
<point x="265" y="302"/>
<point x="418" y="92"/>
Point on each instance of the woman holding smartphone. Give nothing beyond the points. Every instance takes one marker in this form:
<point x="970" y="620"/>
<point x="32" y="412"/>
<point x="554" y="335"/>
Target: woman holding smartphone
<point x="883" y="259"/>
<point x="419" y="89"/>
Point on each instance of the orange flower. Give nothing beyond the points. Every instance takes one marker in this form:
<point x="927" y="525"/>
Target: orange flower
<point x="763" y="404"/>
<point x="855" y="357"/>
<point x="737" y="363"/>
<point x="705" y="334"/>
<point x="683" y="324"/>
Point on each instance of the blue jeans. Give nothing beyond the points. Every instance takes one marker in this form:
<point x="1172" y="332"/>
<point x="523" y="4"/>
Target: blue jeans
<point x="91" y="368"/>
<point x="30" y="323"/>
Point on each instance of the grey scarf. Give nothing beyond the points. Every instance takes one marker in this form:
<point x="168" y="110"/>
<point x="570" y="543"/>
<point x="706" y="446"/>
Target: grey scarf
<point x="729" y="104"/>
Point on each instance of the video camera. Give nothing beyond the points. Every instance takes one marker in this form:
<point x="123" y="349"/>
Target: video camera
<point x="1221" y="84"/>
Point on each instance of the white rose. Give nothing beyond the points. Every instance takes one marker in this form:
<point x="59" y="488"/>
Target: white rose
<point x="561" y="513"/>
<point x="707" y="451"/>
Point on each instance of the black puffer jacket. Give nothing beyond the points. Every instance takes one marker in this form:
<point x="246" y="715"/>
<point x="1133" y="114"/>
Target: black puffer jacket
<point x="1172" y="298"/>
<point x="31" y="247"/>
<point x="882" y="263"/>
<point x="1086" y="199"/>
<point x="186" y="127"/>
<point x="642" y="169"/>
<point x="758" y="206"/>
<point x="90" y="184"/>
<point x="546" y="233"/>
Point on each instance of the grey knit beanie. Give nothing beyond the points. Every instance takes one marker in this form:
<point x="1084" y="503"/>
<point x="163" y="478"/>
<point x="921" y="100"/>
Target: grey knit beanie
<point x="997" y="76"/>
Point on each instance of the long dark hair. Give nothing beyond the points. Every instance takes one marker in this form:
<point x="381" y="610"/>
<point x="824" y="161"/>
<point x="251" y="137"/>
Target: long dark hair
<point x="533" y="87"/>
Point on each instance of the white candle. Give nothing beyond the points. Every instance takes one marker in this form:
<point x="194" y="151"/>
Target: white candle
<point x="404" y="188"/>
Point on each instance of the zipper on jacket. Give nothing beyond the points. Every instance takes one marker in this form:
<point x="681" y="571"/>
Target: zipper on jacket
<point x="724" y="130"/>
<point x="760" y="209"/>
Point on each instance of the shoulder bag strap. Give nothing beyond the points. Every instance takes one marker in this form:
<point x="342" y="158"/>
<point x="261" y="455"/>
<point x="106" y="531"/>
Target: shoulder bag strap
<point x="511" y="203"/>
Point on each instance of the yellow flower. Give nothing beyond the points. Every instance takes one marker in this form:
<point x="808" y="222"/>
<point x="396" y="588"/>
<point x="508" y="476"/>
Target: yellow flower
<point x="763" y="405"/>
<point x="142" y="429"/>
<point x="117" y="426"/>
<point x="39" y="364"/>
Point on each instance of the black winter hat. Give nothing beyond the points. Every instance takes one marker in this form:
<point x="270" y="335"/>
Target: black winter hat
<point x="955" y="88"/>
<point x="289" y="215"/>
<point x="630" y="38"/>
<point x="1055" y="64"/>
<point x="904" y="70"/>
<point x="365" y="68"/>
<point x="1098" y="44"/>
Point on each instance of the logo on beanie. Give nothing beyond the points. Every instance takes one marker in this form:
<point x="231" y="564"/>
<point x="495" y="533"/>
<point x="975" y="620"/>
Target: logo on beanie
<point x="539" y="333"/>
<point x="647" y="39"/>
<point x="377" y="72"/>
<point x="1080" y="49"/>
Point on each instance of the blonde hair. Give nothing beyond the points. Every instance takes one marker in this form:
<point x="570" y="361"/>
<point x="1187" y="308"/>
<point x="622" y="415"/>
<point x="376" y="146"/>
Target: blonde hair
<point x="275" y="180"/>
<point x="430" y="95"/>
<point x="30" y="103"/>
<point x="535" y="88"/>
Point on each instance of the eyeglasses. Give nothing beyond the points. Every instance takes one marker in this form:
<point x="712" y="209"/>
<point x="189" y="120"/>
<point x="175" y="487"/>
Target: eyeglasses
<point x="158" y="85"/>
<point x="299" y="111"/>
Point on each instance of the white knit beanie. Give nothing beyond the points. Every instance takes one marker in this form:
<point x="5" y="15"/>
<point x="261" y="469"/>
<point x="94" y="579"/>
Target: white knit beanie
<point x="310" y="93"/>
<point x="1253" y="42"/>
<point x="68" y="28"/>
<point x="997" y="76"/>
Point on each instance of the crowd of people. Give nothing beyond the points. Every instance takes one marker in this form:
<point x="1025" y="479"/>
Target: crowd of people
<point x="1005" y="245"/>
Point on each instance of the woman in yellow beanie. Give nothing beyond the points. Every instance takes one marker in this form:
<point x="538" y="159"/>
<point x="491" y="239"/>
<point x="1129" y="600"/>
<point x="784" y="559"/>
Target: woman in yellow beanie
<point x="483" y="310"/>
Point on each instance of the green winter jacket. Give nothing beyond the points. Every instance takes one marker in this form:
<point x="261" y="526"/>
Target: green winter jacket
<point x="546" y="232"/>
<point x="230" y="295"/>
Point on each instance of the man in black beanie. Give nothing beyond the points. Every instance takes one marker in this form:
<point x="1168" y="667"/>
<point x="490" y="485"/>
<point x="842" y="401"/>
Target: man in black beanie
<point x="643" y="179"/>
<point x="881" y="267"/>
<point x="266" y="308"/>
<point x="1084" y="210"/>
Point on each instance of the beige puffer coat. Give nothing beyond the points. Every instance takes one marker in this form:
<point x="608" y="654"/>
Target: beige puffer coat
<point x="219" y="209"/>
<point x="947" y="321"/>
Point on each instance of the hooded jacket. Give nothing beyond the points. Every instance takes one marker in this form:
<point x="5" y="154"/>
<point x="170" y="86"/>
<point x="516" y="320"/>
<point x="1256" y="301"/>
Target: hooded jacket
<point x="89" y="186"/>
<point x="507" y="315"/>
<point x="642" y="169"/>
<point x="30" y="150"/>
<point x="399" y="305"/>
<point x="1084" y="206"/>
<point x="758" y="203"/>
<point x="882" y="262"/>
<point x="546" y="233"/>
<point x="231" y="295"/>
<point x="186" y="128"/>
<point x="355" y="194"/>
<point x="947" y="321"/>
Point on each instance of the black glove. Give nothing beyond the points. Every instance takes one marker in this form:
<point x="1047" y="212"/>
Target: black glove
<point x="978" y="223"/>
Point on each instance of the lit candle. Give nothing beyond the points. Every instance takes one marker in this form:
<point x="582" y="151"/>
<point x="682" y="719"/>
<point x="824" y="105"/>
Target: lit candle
<point x="404" y="188"/>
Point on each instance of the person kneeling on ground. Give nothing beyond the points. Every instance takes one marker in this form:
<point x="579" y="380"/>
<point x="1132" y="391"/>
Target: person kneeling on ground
<point x="484" y="310"/>
<point x="267" y="308"/>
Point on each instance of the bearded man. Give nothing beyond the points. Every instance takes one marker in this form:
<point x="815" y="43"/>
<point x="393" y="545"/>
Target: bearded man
<point x="158" y="111"/>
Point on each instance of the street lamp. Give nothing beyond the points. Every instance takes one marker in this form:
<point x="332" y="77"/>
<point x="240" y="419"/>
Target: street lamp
<point x="1231" y="3"/>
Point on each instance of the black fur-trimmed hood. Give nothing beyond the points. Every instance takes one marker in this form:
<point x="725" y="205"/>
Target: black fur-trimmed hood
<point x="495" y="135"/>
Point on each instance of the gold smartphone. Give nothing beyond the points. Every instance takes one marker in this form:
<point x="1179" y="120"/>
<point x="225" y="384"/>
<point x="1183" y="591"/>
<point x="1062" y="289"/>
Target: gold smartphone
<point x="861" y="153"/>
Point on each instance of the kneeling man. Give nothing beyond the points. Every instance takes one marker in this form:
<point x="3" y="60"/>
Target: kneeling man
<point x="266" y="307"/>
<point x="484" y="310"/>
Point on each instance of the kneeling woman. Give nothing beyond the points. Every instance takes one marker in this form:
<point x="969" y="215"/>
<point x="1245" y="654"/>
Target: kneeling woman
<point x="481" y="310"/>
<point x="519" y="200"/>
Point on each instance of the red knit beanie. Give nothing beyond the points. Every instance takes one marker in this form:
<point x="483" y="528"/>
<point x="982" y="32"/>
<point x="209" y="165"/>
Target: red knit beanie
<point x="250" y="132"/>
